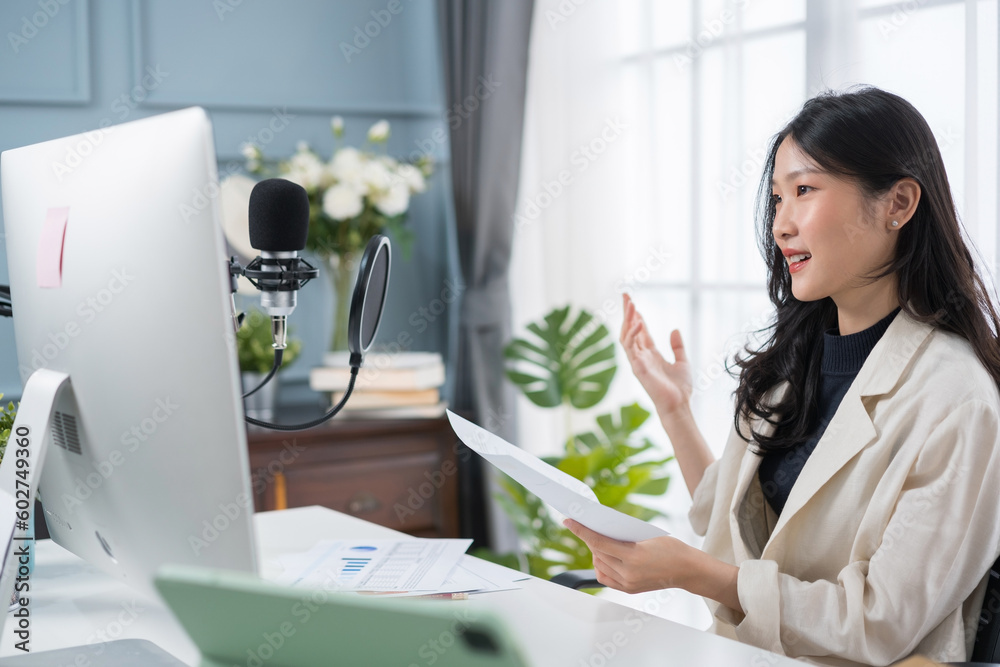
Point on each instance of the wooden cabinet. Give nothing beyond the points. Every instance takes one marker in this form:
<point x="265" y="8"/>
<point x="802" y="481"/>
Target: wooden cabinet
<point x="398" y="473"/>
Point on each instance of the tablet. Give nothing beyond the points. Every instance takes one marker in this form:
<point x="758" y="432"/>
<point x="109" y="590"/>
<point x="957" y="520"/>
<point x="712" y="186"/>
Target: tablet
<point x="238" y="619"/>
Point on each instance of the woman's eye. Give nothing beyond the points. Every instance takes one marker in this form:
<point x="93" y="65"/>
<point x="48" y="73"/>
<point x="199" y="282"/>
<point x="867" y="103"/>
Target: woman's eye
<point x="775" y="199"/>
<point x="802" y="189"/>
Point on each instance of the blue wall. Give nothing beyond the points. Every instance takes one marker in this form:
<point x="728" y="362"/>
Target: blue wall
<point x="68" y="68"/>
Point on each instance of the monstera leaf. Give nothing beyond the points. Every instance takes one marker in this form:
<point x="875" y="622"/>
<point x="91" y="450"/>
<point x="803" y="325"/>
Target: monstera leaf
<point x="566" y="361"/>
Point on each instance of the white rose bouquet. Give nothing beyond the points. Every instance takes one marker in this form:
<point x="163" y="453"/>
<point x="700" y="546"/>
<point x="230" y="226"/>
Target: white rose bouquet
<point x="353" y="196"/>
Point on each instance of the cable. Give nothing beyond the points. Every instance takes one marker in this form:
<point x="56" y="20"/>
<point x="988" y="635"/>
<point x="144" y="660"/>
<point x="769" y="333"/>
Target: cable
<point x="316" y="422"/>
<point x="274" y="369"/>
<point x="6" y="310"/>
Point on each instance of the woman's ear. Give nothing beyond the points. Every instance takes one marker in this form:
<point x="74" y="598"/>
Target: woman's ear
<point x="903" y="199"/>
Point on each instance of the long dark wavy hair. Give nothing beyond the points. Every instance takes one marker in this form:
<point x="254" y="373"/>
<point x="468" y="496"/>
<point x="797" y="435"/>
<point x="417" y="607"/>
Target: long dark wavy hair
<point x="873" y="138"/>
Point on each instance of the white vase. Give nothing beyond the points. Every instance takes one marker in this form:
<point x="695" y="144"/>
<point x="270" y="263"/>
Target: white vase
<point x="342" y="271"/>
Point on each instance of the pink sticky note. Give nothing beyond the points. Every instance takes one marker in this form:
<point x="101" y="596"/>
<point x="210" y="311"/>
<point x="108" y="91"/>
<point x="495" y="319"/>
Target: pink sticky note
<point x="50" y="247"/>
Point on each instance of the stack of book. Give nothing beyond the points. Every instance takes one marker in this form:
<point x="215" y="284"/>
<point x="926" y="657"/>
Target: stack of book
<point x="406" y="385"/>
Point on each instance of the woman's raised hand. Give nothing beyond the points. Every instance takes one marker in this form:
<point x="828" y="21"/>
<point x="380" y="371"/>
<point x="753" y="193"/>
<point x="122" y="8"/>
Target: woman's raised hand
<point x="668" y="384"/>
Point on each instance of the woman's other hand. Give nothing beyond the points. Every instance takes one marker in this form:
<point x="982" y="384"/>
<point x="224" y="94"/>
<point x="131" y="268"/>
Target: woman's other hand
<point x="667" y="384"/>
<point x="658" y="563"/>
<point x="635" y="567"/>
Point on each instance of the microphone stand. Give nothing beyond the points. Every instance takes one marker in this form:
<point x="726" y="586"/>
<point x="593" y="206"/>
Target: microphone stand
<point x="287" y="274"/>
<point x="272" y="274"/>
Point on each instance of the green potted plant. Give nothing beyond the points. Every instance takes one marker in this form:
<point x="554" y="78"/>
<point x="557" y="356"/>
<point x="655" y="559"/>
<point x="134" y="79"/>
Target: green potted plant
<point x="570" y="362"/>
<point x="256" y="356"/>
<point x="7" y="415"/>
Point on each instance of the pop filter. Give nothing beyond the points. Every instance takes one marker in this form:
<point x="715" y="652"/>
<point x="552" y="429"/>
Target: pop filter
<point x="369" y="297"/>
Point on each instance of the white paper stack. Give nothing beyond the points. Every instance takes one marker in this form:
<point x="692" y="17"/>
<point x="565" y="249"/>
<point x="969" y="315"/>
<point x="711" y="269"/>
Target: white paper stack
<point x="405" y="567"/>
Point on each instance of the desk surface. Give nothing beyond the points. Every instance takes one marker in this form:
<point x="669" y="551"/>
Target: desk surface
<point x="75" y="604"/>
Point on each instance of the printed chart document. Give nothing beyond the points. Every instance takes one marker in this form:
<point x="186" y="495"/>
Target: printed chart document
<point x="563" y="492"/>
<point x="408" y="565"/>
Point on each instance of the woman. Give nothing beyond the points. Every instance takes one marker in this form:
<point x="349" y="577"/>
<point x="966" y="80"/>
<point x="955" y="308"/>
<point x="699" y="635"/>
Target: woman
<point x="854" y="512"/>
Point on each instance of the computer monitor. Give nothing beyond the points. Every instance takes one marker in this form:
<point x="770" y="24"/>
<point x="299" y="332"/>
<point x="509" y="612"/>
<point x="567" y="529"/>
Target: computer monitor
<point x="149" y="463"/>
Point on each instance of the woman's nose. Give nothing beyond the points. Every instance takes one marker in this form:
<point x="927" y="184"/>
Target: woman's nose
<point x="782" y="227"/>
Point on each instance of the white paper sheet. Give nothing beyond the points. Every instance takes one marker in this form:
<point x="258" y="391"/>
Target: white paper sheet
<point x="563" y="492"/>
<point x="375" y="565"/>
<point x="497" y="573"/>
<point x="480" y="576"/>
<point x="471" y="576"/>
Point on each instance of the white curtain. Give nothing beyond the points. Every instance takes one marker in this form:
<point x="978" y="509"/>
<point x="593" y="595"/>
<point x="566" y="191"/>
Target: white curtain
<point x="645" y="130"/>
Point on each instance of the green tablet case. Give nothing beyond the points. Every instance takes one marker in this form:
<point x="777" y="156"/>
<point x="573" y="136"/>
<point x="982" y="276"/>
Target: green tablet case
<point x="238" y="619"/>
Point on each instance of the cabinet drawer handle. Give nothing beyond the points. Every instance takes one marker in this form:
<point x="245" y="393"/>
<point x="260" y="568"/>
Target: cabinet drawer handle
<point x="363" y="502"/>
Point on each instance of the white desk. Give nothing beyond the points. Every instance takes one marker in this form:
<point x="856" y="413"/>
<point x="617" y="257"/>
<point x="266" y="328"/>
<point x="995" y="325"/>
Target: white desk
<point x="74" y="604"/>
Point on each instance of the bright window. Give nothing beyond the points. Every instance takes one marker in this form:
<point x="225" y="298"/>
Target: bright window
<point x="701" y="88"/>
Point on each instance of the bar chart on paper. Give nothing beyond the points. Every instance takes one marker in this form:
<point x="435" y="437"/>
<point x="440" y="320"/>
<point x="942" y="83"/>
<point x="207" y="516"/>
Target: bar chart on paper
<point x="353" y="565"/>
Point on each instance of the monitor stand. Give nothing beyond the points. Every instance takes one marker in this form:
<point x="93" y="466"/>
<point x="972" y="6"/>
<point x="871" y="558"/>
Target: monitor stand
<point x="20" y="471"/>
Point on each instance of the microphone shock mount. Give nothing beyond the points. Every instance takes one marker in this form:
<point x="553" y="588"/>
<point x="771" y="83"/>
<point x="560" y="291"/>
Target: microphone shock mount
<point x="278" y="274"/>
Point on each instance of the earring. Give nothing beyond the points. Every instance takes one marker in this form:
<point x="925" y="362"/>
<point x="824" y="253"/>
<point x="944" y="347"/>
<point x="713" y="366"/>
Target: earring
<point x="895" y="223"/>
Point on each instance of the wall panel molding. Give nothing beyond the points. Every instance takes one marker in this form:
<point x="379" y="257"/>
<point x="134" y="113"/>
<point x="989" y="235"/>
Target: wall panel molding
<point x="242" y="98"/>
<point x="79" y="93"/>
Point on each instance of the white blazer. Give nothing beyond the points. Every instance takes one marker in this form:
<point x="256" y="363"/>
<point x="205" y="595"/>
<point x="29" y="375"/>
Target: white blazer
<point x="883" y="546"/>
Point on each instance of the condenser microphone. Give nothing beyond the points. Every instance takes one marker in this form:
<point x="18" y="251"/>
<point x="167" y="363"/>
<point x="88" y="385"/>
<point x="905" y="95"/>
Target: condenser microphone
<point x="279" y="224"/>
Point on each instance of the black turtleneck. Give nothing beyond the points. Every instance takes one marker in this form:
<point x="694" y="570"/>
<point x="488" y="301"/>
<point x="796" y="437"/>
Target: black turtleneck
<point x="843" y="357"/>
